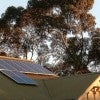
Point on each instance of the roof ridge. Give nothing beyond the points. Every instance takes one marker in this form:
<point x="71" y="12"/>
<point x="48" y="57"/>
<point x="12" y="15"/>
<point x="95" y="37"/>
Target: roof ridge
<point x="17" y="59"/>
<point x="88" y="74"/>
<point x="81" y="75"/>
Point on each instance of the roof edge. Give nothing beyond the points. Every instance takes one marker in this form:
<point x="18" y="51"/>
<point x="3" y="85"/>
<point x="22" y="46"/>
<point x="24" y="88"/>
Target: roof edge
<point x="17" y="59"/>
<point x="40" y="74"/>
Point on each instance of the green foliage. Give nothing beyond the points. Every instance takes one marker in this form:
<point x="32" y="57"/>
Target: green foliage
<point x="77" y="55"/>
<point x="52" y="21"/>
<point x="95" y="49"/>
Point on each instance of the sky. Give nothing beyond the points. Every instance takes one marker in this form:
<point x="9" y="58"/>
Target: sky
<point x="95" y="12"/>
<point x="6" y="3"/>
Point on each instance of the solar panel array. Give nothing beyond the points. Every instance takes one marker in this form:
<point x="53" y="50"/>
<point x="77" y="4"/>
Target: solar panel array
<point x="13" y="69"/>
<point x="19" y="77"/>
<point x="23" y="66"/>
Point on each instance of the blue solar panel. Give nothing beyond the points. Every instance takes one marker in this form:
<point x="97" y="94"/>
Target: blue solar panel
<point x="39" y="68"/>
<point x="31" y="67"/>
<point x="14" y="69"/>
<point x="5" y="65"/>
<point x="15" y="65"/>
<point x="19" y="77"/>
<point x="22" y="66"/>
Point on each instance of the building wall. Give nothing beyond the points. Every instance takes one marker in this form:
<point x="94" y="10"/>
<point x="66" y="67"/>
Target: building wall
<point x="91" y="96"/>
<point x="92" y="92"/>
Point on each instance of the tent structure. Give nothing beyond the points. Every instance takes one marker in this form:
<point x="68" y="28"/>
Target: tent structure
<point x="78" y="87"/>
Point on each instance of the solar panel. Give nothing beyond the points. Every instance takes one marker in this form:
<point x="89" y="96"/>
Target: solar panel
<point x="16" y="65"/>
<point x="19" y="77"/>
<point x="22" y="66"/>
<point x="14" y="69"/>
<point x="39" y="68"/>
<point x="31" y="67"/>
<point x="26" y="67"/>
<point x="5" y="65"/>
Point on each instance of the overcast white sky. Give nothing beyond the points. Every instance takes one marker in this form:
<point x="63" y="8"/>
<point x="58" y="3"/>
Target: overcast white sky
<point x="6" y="3"/>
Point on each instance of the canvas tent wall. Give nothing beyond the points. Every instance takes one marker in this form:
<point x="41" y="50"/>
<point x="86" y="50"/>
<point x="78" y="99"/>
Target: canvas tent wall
<point x="63" y="88"/>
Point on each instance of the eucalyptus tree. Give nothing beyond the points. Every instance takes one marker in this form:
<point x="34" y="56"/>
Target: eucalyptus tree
<point x="10" y="31"/>
<point x="55" y="19"/>
<point x="44" y="25"/>
<point x="94" y="55"/>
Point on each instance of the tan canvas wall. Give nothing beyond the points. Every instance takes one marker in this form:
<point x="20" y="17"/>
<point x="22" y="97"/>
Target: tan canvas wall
<point x="91" y="96"/>
<point x="92" y="92"/>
